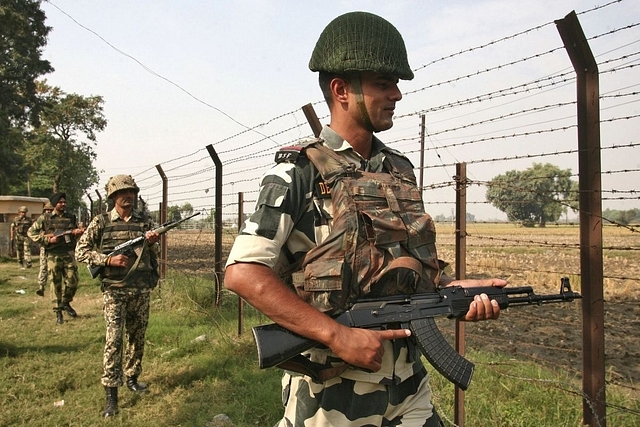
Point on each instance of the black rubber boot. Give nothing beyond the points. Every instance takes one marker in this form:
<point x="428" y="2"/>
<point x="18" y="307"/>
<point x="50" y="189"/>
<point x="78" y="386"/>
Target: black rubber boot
<point x="59" y="319"/>
<point x="40" y="292"/>
<point x="112" y="402"/>
<point x="67" y="307"/>
<point x="134" y="385"/>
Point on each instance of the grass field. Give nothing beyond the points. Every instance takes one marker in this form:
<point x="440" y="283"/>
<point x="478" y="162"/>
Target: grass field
<point x="198" y="367"/>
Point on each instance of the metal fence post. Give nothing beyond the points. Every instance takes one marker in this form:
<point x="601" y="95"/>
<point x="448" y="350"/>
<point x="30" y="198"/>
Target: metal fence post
<point x="591" y="261"/>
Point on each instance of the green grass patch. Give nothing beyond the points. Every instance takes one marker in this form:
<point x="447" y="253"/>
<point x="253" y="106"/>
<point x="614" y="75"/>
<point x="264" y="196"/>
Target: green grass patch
<point x="198" y="367"/>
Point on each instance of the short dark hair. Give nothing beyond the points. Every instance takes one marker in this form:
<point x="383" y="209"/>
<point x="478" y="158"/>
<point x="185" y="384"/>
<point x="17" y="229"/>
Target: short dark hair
<point x="324" y="80"/>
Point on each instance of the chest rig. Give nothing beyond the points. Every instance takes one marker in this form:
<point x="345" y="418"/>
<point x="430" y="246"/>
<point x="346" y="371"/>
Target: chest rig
<point x="381" y="241"/>
<point x="115" y="233"/>
<point x="22" y="225"/>
<point x="57" y="223"/>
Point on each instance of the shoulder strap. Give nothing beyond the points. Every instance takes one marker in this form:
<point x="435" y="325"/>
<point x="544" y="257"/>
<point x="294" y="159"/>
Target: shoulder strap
<point x="330" y="164"/>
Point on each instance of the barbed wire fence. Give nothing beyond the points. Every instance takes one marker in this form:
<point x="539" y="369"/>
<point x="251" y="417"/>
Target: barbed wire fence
<point x="494" y="113"/>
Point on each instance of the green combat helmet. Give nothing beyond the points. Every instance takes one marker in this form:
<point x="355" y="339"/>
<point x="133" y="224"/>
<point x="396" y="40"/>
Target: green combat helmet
<point x="23" y="209"/>
<point x="120" y="182"/>
<point x="361" y="41"/>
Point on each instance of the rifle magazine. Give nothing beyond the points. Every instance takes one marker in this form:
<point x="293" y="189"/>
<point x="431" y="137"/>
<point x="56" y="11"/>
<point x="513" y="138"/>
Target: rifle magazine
<point x="440" y="354"/>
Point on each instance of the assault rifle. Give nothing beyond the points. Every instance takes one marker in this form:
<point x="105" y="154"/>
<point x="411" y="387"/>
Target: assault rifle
<point x="126" y="248"/>
<point x="415" y="312"/>
<point x="66" y="234"/>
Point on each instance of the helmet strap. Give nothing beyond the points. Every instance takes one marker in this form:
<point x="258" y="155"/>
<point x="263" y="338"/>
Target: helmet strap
<point x="364" y="114"/>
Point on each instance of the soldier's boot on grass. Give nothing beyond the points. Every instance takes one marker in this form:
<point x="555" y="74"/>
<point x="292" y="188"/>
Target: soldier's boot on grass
<point x="59" y="319"/>
<point x="70" y="311"/>
<point x="112" y="402"/>
<point x="40" y="291"/>
<point x="135" y="386"/>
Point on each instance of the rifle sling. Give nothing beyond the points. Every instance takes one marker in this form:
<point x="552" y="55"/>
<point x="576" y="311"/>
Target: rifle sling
<point x="132" y="269"/>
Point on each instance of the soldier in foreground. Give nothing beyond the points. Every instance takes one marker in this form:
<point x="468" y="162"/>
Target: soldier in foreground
<point x="362" y="377"/>
<point x="57" y="232"/>
<point x="18" y="234"/>
<point x="127" y="282"/>
<point x="42" y="272"/>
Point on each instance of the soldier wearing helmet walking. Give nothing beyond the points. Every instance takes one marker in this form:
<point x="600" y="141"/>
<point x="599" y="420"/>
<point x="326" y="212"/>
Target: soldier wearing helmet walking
<point x="127" y="282"/>
<point x="297" y="259"/>
<point x="18" y="235"/>
<point x="58" y="232"/>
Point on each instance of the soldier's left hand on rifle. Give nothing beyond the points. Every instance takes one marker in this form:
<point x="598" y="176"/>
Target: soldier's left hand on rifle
<point x="56" y="238"/>
<point x="482" y="308"/>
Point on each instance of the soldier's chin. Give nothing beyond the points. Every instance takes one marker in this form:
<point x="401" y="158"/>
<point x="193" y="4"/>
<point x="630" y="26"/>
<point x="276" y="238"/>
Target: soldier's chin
<point x="386" y="125"/>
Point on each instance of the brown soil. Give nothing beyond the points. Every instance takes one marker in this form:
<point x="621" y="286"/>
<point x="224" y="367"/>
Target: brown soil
<point x="550" y="334"/>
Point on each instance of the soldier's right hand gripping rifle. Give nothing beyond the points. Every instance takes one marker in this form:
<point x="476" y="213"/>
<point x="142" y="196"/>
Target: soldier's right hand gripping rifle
<point x="127" y="247"/>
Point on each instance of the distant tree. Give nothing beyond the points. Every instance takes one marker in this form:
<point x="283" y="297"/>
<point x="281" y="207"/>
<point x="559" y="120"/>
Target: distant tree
<point x="23" y="35"/>
<point x="173" y="213"/>
<point x="211" y="216"/>
<point x="59" y="151"/>
<point x="442" y="218"/>
<point x="186" y="209"/>
<point x="536" y="195"/>
<point x="622" y="217"/>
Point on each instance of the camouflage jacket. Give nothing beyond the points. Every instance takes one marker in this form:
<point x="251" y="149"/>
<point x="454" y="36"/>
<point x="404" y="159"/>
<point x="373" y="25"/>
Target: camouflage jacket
<point x="20" y="226"/>
<point x="92" y="250"/>
<point x="294" y="214"/>
<point x="50" y="222"/>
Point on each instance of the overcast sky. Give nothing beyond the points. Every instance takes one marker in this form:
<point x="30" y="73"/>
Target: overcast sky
<point x="179" y="75"/>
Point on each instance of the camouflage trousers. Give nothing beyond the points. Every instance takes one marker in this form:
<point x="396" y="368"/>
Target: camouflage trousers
<point x="63" y="276"/>
<point x="23" y="250"/>
<point x="344" y="402"/>
<point x="42" y="273"/>
<point x="126" y="316"/>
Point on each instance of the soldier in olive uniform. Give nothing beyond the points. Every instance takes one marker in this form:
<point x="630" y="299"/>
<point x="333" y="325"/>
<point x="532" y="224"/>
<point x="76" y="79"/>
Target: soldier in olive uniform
<point x="42" y="273"/>
<point x="58" y="232"/>
<point x="127" y="281"/>
<point x="369" y="377"/>
<point x="18" y="234"/>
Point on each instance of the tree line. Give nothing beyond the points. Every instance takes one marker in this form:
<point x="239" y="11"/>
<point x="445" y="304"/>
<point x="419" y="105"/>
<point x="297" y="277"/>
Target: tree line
<point x="47" y="136"/>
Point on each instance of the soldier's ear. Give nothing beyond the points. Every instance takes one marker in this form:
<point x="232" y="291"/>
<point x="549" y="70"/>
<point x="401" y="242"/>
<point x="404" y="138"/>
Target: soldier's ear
<point x="339" y="90"/>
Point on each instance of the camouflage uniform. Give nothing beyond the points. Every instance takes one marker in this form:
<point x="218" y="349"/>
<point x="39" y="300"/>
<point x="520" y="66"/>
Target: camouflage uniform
<point x="42" y="272"/>
<point x="293" y="215"/>
<point x="19" y="228"/>
<point x="61" y="263"/>
<point x="126" y="293"/>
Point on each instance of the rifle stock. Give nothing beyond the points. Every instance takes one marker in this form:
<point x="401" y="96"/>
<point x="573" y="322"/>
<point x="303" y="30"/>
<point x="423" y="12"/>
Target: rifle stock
<point x="416" y="312"/>
<point x="95" y="270"/>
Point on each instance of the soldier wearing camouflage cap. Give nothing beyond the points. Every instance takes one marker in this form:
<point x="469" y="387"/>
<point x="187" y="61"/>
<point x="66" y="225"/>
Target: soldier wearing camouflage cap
<point x="18" y="235"/>
<point x="127" y="281"/>
<point x="360" y="376"/>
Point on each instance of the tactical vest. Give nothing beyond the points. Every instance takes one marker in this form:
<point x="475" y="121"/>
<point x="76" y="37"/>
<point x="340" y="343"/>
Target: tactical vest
<point x="53" y="224"/>
<point x="22" y="225"/>
<point x="115" y="233"/>
<point x="381" y="241"/>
